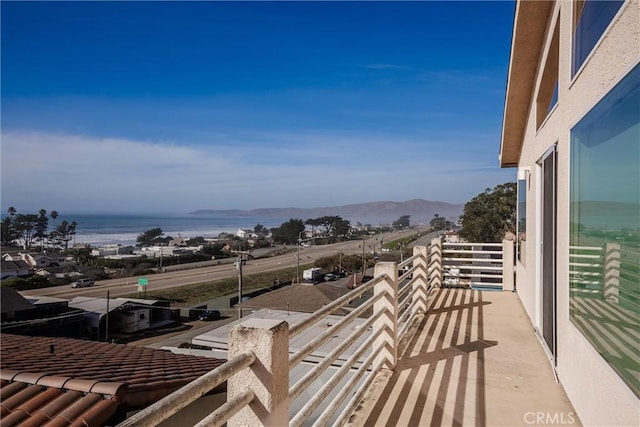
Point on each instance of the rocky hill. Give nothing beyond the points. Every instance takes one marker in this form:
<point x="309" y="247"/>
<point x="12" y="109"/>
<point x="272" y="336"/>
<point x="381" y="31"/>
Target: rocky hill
<point x="421" y="212"/>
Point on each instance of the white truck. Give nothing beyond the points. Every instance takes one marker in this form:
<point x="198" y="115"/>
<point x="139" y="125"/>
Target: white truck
<point x="312" y="274"/>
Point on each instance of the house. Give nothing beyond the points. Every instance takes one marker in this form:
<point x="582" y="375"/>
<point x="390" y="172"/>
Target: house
<point x="572" y="129"/>
<point x="121" y="315"/>
<point x="14" y="306"/>
<point x="42" y="316"/>
<point x="178" y="241"/>
<point x="38" y="260"/>
<point x="18" y="268"/>
<point x="74" y="382"/>
<point x="246" y="234"/>
<point x="107" y="250"/>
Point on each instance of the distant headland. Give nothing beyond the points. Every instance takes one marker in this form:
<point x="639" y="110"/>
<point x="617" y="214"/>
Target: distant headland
<point x="421" y="211"/>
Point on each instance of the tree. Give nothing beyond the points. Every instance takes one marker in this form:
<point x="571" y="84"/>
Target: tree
<point x="30" y="227"/>
<point x="25" y="227"/>
<point x="334" y="226"/>
<point x="149" y="237"/>
<point x="82" y="256"/>
<point x="313" y="222"/>
<point x="289" y="231"/>
<point x="438" y="222"/>
<point x="402" y="222"/>
<point x="340" y="227"/>
<point x="64" y="233"/>
<point x="8" y="234"/>
<point x="42" y="227"/>
<point x="53" y="215"/>
<point x="260" y="229"/>
<point x="490" y="215"/>
<point x="195" y="241"/>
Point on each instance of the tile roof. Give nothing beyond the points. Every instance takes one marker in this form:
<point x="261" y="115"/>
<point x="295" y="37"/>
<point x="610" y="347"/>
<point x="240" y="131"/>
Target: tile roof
<point x="75" y="381"/>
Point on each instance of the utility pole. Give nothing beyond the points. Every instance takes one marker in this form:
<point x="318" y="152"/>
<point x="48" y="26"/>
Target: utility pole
<point x="240" y="287"/>
<point x="298" y="258"/>
<point x="364" y="261"/>
<point x="238" y="264"/>
<point x="106" y="329"/>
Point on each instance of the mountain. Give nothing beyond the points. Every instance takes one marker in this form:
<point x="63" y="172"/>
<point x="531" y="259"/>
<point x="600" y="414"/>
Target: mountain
<point x="421" y="212"/>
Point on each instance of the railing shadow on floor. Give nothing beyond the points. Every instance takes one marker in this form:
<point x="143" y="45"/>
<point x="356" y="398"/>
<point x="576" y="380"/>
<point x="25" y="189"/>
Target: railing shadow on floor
<point x="448" y="346"/>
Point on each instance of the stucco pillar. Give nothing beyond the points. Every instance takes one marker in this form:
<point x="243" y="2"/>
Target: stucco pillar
<point x="388" y="305"/>
<point x="420" y="280"/>
<point x="268" y="377"/>
<point x="435" y="262"/>
<point x="611" y="274"/>
<point x="508" y="259"/>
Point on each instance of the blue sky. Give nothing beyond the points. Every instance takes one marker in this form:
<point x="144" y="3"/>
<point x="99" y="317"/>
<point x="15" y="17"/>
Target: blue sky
<point x="170" y="106"/>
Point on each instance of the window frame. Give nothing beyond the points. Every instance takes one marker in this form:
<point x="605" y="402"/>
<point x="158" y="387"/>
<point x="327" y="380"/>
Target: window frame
<point x="575" y="73"/>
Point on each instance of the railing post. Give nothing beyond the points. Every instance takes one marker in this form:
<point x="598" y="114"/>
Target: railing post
<point x="508" y="259"/>
<point x="388" y="305"/>
<point x="435" y="262"/>
<point x="611" y="282"/>
<point x="268" y="376"/>
<point x="420" y="282"/>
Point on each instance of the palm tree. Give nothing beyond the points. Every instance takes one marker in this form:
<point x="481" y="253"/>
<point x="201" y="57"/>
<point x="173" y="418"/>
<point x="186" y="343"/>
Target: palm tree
<point x="54" y="215"/>
<point x="42" y="226"/>
<point x="11" y="211"/>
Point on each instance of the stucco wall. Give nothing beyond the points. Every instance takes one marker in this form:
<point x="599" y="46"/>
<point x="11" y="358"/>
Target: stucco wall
<point x="598" y="394"/>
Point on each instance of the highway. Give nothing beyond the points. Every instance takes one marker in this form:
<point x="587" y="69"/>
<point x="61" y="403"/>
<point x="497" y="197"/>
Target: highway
<point x="128" y="285"/>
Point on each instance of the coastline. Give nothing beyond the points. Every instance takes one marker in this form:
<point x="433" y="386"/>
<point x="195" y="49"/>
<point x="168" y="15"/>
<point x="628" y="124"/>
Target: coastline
<point x="123" y="229"/>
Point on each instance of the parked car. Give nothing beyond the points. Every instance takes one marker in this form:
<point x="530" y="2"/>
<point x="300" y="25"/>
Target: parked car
<point x="210" y="315"/>
<point x="330" y="277"/>
<point x="85" y="282"/>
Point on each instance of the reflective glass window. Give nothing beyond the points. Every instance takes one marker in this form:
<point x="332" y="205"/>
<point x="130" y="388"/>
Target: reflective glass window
<point x="604" y="252"/>
<point x="591" y="19"/>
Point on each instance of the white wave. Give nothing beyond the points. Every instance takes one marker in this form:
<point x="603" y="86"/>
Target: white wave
<point x="130" y="238"/>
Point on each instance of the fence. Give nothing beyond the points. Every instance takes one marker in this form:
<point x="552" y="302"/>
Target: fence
<point x="477" y="265"/>
<point x="260" y="360"/>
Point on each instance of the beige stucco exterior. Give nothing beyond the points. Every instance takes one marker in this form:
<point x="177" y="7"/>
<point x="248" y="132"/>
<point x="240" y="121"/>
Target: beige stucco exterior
<point x="596" y="391"/>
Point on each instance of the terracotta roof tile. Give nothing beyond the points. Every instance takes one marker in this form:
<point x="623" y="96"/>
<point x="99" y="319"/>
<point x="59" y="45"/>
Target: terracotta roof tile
<point x="20" y="397"/>
<point x="63" y="381"/>
<point x="37" y="420"/>
<point x="58" y="405"/>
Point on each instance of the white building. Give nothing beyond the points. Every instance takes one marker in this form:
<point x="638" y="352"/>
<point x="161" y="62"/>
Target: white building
<point x="572" y="128"/>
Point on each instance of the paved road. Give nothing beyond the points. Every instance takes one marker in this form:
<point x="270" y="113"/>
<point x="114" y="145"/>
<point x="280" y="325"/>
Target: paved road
<point x="128" y="285"/>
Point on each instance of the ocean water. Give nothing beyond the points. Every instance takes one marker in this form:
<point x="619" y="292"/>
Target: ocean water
<point x="124" y="229"/>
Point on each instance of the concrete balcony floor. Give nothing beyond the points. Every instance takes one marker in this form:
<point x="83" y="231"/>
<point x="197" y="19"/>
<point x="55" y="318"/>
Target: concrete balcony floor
<point x="473" y="361"/>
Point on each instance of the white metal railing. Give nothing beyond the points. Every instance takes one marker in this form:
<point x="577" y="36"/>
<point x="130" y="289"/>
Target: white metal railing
<point x="603" y="272"/>
<point x="586" y="265"/>
<point x="261" y="361"/>
<point x="477" y="265"/>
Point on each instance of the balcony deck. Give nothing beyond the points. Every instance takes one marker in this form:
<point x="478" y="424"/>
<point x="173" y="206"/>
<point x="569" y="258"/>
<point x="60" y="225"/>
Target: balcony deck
<point x="474" y="360"/>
